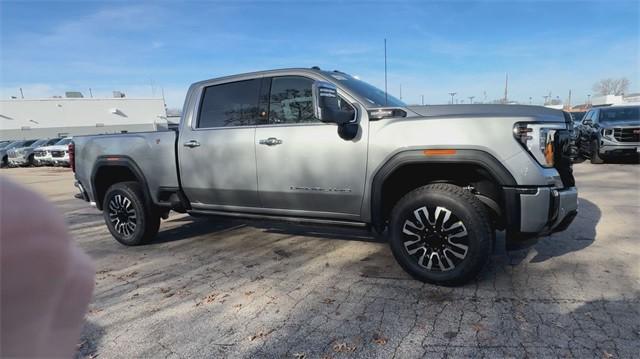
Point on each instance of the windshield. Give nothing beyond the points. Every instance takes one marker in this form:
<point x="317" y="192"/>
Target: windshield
<point x="34" y="143"/>
<point x="614" y="114"/>
<point x="52" y="141"/>
<point x="372" y="94"/>
<point x="64" y="141"/>
<point x="15" y="144"/>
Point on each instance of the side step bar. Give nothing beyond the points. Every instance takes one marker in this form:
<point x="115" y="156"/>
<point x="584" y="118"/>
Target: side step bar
<point x="330" y="222"/>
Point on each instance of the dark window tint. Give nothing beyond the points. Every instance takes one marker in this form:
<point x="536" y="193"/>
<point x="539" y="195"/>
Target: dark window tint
<point x="291" y="100"/>
<point x="232" y="104"/>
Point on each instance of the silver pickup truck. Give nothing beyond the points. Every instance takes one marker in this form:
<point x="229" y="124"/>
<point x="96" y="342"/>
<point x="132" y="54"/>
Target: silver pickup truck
<point x="323" y="147"/>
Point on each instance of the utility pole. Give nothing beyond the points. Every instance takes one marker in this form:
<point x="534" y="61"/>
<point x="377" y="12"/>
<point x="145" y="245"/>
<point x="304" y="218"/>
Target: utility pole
<point x="90" y="93"/>
<point x="400" y="91"/>
<point x="452" y="95"/>
<point x="21" y="93"/>
<point x="471" y="99"/>
<point x="506" y="88"/>
<point x="385" y="72"/>
<point x="530" y="98"/>
<point x="484" y="98"/>
<point x="569" y="100"/>
<point x="422" y="100"/>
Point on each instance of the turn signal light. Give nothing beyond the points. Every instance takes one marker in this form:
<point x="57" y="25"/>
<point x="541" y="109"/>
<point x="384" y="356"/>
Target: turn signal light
<point x="439" y="152"/>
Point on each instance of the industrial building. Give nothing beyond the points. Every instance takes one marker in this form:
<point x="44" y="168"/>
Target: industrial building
<point x="73" y="116"/>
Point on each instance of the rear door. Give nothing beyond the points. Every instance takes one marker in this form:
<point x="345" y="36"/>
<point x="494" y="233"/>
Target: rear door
<point x="216" y="149"/>
<point x="304" y="167"/>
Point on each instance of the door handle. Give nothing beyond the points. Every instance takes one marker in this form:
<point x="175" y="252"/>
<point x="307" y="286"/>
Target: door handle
<point x="271" y="141"/>
<point x="192" y="143"/>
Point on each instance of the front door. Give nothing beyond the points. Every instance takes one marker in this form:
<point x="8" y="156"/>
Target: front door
<point x="217" y="152"/>
<point x="304" y="167"/>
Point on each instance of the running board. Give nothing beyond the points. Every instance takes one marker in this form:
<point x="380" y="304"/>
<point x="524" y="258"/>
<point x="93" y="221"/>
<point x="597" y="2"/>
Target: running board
<point x="330" y="222"/>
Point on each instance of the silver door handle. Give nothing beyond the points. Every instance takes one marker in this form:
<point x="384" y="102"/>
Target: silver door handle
<point x="192" y="144"/>
<point x="271" y="141"/>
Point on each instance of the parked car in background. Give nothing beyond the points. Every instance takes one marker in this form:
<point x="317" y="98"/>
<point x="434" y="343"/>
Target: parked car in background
<point x="43" y="156"/>
<point x="608" y="132"/>
<point x="4" y="152"/>
<point x="23" y="156"/>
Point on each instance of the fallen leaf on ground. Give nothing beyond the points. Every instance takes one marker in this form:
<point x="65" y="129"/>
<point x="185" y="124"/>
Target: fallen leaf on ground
<point x="328" y="301"/>
<point x="380" y="340"/>
<point x="343" y="348"/>
<point x="249" y="293"/>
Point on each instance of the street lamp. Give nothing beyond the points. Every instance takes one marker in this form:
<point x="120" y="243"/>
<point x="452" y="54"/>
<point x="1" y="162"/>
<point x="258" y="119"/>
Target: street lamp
<point x="471" y="99"/>
<point x="452" y="95"/>
<point x="530" y="99"/>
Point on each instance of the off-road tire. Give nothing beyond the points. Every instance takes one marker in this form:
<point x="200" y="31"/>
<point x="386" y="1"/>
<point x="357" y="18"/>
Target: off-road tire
<point x="123" y="199"/>
<point x="462" y="207"/>
<point x="595" y="153"/>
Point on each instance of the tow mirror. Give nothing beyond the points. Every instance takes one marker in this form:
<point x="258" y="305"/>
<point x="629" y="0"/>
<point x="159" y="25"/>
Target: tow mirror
<point x="326" y="106"/>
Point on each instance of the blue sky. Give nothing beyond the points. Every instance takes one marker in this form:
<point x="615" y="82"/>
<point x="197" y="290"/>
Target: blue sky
<point x="434" y="48"/>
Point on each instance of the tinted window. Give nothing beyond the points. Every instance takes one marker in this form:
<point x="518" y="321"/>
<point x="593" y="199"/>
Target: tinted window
<point x="28" y="143"/>
<point x="620" y="114"/>
<point x="291" y="100"/>
<point x="232" y="104"/>
<point x="51" y="141"/>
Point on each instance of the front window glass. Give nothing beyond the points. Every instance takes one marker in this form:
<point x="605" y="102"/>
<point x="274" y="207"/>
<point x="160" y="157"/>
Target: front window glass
<point x="231" y="104"/>
<point x="291" y="100"/>
<point x="613" y="114"/>
<point x="28" y="143"/>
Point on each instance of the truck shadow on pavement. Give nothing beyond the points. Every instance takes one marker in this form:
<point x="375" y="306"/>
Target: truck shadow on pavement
<point x="578" y="236"/>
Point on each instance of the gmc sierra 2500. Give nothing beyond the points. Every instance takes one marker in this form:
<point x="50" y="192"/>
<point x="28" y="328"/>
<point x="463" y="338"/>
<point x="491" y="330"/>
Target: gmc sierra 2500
<point x="317" y="146"/>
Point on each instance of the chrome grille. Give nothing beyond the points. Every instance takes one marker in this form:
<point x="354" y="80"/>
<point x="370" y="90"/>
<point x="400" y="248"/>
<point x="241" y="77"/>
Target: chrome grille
<point x="627" y="134"/>
<point x="57" y="153"/>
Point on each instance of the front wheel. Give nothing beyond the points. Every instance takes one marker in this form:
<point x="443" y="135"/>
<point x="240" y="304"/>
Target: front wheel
<point x="129" y="220"/>
<point x="441" y="234"/>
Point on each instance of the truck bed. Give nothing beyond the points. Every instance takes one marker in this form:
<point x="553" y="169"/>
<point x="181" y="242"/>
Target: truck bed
<point x="153" y="153"/>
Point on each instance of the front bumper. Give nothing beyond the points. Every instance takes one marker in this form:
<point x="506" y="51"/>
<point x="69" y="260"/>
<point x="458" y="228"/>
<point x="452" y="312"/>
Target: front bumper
<point x="613" y="147"/>
<point x="539" y="211"/>
<point x="18" y="160"/>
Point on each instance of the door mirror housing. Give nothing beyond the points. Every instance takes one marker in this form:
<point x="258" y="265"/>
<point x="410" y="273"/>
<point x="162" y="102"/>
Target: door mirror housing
<point x="588" y="122"/>
<point x="326" y="106"/>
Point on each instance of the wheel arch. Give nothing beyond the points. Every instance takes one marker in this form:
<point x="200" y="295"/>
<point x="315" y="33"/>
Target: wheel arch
<point x="109" y="170"/>
<point x="452" y="166"/>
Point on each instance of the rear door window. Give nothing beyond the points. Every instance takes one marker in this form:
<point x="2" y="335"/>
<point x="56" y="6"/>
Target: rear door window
<point x="230" y="104"/>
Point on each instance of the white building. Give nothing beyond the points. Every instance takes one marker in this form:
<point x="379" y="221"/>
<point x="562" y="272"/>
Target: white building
<point x="630" y="99"/>
<point x="55" y="117"/>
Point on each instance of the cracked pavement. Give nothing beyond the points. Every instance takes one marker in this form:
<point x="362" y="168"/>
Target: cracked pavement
<point x="227" y="288"/>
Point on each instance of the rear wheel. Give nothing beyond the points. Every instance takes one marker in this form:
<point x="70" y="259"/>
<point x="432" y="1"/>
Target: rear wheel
<point x="441" y="234"/>
<point x="595" y="153"/>
<point x="129" y="220"/>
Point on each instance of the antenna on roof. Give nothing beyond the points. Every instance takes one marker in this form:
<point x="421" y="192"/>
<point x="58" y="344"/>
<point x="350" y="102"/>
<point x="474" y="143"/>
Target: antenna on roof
<point x="385" y="72"/>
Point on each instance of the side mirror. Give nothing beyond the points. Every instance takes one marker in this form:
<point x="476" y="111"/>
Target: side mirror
<point x="588" y="122"/>
<point x="326" y="107"/>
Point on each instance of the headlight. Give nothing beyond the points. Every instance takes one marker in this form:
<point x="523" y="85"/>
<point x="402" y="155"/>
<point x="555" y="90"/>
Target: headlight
<point x="538" y="138"/>
<point x="607" y="132"/>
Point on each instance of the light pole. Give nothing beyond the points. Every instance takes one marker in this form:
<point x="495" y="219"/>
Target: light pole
<point x="530" y="99"/>
<point x="422" y="100"/>
<point x="471" y="99"/>
<point x="452" y="95"/>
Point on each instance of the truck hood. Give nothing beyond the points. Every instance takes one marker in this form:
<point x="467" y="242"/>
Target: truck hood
<point x="541" y="113"/>
<point x="57" y="148"/>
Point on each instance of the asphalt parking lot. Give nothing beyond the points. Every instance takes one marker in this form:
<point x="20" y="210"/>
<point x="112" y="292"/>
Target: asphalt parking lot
<point x="223" y="288"/>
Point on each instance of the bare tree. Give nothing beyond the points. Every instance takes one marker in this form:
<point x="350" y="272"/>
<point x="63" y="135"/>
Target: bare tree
<point x="611" y="86"/>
